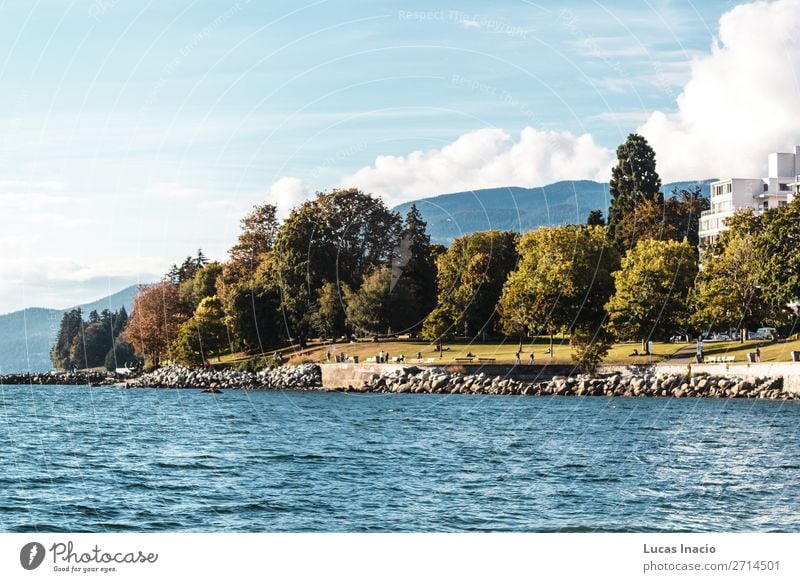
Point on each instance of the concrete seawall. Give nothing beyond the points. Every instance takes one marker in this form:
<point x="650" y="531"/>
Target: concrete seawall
<point x="343" y="375"/>
<point x="789" y="371"/>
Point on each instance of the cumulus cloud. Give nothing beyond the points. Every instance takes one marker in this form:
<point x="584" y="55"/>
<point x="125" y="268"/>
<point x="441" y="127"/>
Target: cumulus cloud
<point x="287" y="193"/>
<point x="741" y="102"/>
<point x="485" y="158"/>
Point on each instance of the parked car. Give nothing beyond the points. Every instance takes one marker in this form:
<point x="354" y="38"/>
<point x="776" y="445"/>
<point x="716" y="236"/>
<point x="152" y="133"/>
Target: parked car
<point x="723" y="337"/>
<point x="766" y="333"/>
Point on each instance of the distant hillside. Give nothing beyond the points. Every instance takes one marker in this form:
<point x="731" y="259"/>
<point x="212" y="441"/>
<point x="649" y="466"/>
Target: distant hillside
<point x="26" y="336"/>
<point x="452" y="215"/>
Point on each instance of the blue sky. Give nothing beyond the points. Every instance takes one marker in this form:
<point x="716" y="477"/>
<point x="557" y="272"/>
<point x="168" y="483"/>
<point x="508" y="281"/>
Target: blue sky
<point x="133" y="133"/>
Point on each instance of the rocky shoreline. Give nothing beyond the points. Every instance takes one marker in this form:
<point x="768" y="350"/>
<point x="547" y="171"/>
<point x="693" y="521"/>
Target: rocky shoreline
<point x="303" y="377"/>
<point x="64" y="378"/>
<point x="416" y="380"/>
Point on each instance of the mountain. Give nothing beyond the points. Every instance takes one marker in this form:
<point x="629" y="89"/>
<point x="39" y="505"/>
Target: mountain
<point x="452" y="215"/>
<point x="26" y="336"/>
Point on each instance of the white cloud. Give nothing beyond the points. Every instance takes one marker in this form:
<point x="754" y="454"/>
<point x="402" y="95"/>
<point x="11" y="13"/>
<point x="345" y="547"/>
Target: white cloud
<point x="485" y="158"/>
<point x="741" y="102"/>
<point x="287" y="193"/>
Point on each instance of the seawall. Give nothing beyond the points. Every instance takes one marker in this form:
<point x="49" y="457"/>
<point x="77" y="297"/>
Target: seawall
<point x="343" y="375"/>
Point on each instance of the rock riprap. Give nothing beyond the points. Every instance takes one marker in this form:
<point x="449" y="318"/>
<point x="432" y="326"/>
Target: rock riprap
<point x="303" y="377"/>
<point x="63" y="378"/>
<point x="415" y="380"/>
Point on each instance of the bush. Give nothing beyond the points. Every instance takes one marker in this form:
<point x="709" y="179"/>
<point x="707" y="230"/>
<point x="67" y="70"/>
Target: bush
<point x="588" y="350"/>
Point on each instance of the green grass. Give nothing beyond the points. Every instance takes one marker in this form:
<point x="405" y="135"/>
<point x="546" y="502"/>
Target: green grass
<point x="770" y="351"/>
<point x="503" y="351"/>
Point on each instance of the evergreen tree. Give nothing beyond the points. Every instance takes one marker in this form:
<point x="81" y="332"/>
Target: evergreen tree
<point x="595" y="218"/>
<point x="414" y="268"/>
<point x="634" y="180"/>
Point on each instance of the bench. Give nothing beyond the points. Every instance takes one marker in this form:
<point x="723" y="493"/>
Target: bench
<point x="464" y="359"/>
<point x="487" y="360"/>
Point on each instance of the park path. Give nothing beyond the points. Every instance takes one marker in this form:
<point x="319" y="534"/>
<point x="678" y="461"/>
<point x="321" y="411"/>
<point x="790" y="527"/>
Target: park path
<point x="685" y="355"/>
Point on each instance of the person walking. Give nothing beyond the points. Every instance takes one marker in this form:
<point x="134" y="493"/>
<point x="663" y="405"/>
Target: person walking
<point x="516" y="358"/>
<point x="530" y="359"/>
<point x="758" y="354"/>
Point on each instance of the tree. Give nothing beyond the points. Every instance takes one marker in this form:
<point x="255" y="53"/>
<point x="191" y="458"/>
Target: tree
<point x="331" y="310"/>
<point x="121" y="355"/>
<point x="368" y="308"/>
<point x="776" y="247"/>
<point x="471" y="274"/>
<point x="259" y="229"/>
<point x="252" y="307"/>
<point x="561" y="282"/>
<point x="71" y="327"/>
<point x="339" y="236"/>
<point x="727" y="291"/>
<point x="203" y="335"/>
<point x="648" y="220"/>
<point x="650" y="298"/>
<point x="414" y="269"/>
<point x="202" y="285"/>
<point x="683" y="211"/>
<point x="155" y="321"/>
<point x="633" y="180"/>
<point x="595" y="218"/>
<point x="589" y="349"/>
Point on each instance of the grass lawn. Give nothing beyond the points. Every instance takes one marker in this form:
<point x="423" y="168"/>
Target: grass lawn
<point x="502" y="352"/>
<point x="770" y="351"/>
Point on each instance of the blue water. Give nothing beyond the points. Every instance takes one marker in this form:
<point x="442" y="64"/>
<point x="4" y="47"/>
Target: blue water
<point x="109" y="459"/>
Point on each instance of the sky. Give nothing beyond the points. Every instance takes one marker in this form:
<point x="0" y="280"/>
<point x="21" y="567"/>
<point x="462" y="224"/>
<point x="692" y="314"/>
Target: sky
<point x="134" y="133"/>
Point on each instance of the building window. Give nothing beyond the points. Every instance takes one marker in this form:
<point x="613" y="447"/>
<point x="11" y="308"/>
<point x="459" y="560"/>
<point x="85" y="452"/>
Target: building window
<point x="781" y="203"/>
<point x="783" y="187"/>
<point x="766" y="187"/>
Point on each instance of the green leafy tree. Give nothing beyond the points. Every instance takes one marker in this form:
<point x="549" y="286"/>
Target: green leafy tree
<point x="471" y="275"/>
<point x="683" y="211"/>
<point x="589" y="349"/>
<point x="368" y="308"/>
<point x="562" y="280"/>
<point x="650" y="298"/>
<point x="340" y="236"/>
<point x="634" y="180"/>
<point x="202" y="336"/>
<point x="252" y="308"/>
<point x="776" y="247"/>
<point x="331" y="310"/>
<point x="727" y="294"/>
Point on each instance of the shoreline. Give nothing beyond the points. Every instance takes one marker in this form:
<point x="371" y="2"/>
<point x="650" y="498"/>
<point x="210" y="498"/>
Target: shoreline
<point x="625" y="382"/>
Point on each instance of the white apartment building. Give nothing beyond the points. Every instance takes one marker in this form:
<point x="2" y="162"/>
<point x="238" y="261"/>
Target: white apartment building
<point x="733" y="194"/>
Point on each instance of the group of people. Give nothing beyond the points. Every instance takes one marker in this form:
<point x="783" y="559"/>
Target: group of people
<point x="518" y="358"/>
<point x="339" y="358"/>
